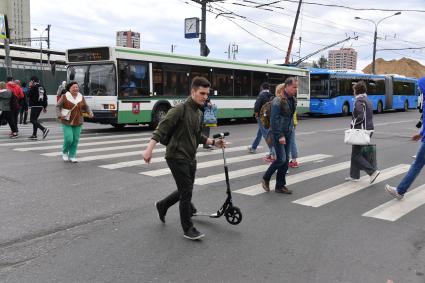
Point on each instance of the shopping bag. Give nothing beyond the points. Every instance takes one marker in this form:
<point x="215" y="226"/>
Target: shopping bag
<point x="369" y="153"/>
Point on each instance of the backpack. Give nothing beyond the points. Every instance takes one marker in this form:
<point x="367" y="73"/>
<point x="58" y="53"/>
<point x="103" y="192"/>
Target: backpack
<point x="265" y="113"/>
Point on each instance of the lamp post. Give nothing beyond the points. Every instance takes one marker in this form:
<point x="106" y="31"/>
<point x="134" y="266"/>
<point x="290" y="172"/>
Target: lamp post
<point x="376" y="35"/>
<point x="41" y="46"/>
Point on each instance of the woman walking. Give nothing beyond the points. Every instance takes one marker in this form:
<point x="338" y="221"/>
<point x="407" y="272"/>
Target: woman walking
<point x="362" y="118"/>
<point x="69" y="110"/>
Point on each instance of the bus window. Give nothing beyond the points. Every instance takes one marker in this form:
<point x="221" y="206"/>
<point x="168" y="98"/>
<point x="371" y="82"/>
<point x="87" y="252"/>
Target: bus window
<point x="79" y="74"/>
<point x="222" y="82"/>
<point x="319" y="86"/>
<point x="333" y="88"/>
<point x="257" y="79"/>
<point x="197" y="71"/>
<point x="176" y="80"/>
<point x="242" y="83"/>
<point x="101" y="80"/>
<point x="133" y="78"/>
<point x="158" y="83"/>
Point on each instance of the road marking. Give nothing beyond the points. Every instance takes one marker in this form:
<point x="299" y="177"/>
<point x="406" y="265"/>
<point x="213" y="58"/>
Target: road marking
<point x="217" y="162"/>
<point x="162" y="159"/>
<point x="293" y="179"/>
<point x="81" y="144"/>
<point x="252" y="170"/>
<point x="99" y="149"/>
<point x="81" y="139"/>
<point x="347" y="188"/>
<point x="395" y="209"/>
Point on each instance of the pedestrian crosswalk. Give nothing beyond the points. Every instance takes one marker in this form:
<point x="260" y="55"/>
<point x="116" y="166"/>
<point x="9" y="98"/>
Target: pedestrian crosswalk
<point x="117" y="151"/>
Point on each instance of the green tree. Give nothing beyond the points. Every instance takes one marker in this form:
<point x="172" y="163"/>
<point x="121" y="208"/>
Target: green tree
<point x="323" y="62"/>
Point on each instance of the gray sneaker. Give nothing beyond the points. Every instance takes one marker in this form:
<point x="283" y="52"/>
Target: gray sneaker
<point x="349" y="179"/>
<point x="193" y="234"/>
<point x="251" y="150"/>
<point x="393" y="192"/>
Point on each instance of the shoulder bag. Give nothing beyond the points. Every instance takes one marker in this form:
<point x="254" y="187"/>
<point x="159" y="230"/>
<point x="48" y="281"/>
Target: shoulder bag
<point x="357" y="136"/>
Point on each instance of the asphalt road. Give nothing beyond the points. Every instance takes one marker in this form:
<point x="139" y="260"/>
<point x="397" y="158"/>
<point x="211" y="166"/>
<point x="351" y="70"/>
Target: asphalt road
<point x="95" y="221"/>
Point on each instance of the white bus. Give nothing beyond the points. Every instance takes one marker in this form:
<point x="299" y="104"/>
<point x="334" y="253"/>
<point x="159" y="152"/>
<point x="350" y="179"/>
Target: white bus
<point x="129" y="86"/>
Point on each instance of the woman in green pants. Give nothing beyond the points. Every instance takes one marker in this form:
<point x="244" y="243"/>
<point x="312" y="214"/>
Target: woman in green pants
<point x="69" y="110"/>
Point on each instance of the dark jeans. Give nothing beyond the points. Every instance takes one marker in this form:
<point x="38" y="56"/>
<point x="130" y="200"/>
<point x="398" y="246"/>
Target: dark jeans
<point x="23" y="114"/>
<point x="280" y="164"/>
<point x="358" y="162"/>
<point x="35" y="113"/>
<point x="9" y="117"/>
<point x="414" y="170"/>
<point x="184" y="175"/>
<point x="15" y="114"/>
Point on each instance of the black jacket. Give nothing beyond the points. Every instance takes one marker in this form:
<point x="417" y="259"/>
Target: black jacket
<point x="262" y="98"/>
<point x="37" y="96"/>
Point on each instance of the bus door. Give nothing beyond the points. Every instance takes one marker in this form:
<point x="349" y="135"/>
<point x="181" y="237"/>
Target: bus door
<point x="389" y="90"/>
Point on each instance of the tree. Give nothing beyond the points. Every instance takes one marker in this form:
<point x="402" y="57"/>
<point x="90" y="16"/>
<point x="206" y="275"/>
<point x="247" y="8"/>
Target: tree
<point x="323" y="62"/>
<point x="315" y="65"/>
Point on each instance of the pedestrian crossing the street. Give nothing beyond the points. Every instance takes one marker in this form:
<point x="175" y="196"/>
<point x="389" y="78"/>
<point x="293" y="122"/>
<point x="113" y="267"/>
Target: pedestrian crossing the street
<point x="123" y="152"/>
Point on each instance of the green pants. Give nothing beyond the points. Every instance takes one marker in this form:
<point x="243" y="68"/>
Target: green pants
<point x="71" y="137"/>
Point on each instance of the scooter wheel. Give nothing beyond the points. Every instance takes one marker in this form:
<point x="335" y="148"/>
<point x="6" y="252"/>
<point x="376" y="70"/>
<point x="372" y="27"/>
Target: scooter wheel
<point x="233" y="215"/>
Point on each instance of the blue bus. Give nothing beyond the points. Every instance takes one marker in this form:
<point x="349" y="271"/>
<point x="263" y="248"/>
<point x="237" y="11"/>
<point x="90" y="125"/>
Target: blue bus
<point x="331" y="91"/>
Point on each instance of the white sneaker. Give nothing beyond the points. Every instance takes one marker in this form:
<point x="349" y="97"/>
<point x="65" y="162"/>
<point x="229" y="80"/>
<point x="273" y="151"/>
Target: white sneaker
<point x="73" y="159"/>
<point x="393" y="192"/>
<point x="374" y="176"/>
<point x="65" y="157"/>
<point x="349" y="179"/>
<point x="251" y="150"/>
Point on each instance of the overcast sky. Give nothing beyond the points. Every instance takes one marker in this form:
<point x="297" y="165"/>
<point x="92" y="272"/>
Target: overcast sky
<point x="262" y="36"/>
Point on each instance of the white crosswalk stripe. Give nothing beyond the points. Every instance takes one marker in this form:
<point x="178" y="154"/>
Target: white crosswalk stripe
<point x="252" y="170"/>
<point x="99" y="149"/>
<point x="293" y="179"/>
<point x="347" y="188"/>
<point x="162" y="159"/>
<point x="395" y="209"/>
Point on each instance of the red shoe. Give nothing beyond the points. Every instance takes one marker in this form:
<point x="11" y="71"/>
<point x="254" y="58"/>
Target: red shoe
<point x="268" y="159"/>
<point x="293" y="164"/>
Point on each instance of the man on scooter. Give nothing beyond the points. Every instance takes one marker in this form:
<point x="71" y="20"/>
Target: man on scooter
<point x="181" y="132"/>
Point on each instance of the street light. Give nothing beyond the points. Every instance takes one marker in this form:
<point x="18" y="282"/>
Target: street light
<point x="376" y="35"/>
<point x="41" y="48"/>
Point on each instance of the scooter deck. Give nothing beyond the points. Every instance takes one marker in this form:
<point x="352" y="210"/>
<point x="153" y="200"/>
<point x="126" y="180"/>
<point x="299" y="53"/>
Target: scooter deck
<point x="212" y="215"/>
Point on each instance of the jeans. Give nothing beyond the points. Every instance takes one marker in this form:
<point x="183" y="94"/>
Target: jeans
<point x="71" y="137"/>
<point x="184" y="175"/>
<point x="262" y="132"/>
<point x="293" y="145"/>
<point x="358" y="162"/>
<point x="280" y="164"/>
<point x="35" y="113"/>
<point x="10" y="118"/>
<point x="414" y="170"/>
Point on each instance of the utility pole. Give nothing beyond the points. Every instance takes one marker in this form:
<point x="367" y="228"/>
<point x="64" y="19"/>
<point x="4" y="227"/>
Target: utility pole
<point x="203" y="39"/>
<point x="288" y="53"/>
<point x="5" y="36"/>
<point x="48" y="36"/>
<point x="173" y="47"/>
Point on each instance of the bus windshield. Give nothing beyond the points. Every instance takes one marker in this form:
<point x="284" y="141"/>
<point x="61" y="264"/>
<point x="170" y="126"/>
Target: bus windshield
<point x="94" y="80"/>
<point x="319" y="86"/>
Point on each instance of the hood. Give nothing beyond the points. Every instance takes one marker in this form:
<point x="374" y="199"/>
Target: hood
<point x="12" y="85"/>
<point x="421" y="83"/>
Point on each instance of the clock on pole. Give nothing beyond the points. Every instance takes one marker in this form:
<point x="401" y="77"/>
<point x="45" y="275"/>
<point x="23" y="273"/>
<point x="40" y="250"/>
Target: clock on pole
<point x="191" y="27"/>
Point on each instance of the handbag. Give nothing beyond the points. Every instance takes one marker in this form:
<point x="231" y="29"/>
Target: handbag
<point x="369" y="153"/>
<point x="66" y="113"/>
<point x="357" y="136"/>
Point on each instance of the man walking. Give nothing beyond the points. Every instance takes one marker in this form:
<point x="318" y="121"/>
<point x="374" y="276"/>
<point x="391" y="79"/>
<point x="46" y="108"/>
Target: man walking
<point x="181" y="131"/>
<point x="15" y="88"/>
<point x="414" y="170"/>
<point x="281" y="125"/>
<point x="38" y="103"/>
<point x="263" y="97"/>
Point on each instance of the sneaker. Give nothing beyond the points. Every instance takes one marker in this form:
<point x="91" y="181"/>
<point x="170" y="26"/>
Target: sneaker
<point x="293" y="164"/>
<point x="393" y="192"/>
<point x="65" y="157"/>
<point x="13" y="136"/>
<point x="32" y="137"/>
<point x="374" y="176"/>
<point x="251" y="150"/>
<point x="268" y="159"/>
<point x="266" y="185"/>
<point x="73" y="159"/>
<point x="193" y="234"/>
<point x="283" y="190"/>
<point x="349" y="179"/>
<point x="161" y="214"/>
<point x="45" y="133"/>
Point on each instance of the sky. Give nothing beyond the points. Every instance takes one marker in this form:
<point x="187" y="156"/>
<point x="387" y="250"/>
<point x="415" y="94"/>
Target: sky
<point x="261" y="36"/>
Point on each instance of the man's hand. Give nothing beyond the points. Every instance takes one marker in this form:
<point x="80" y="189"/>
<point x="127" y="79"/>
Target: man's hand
<point x="147" y="155"/>
<point x="220" y="143"/>
<point x="282" y="140"/>
<point x="91" y="115"/>
<point x="44" y="110"/>
<point x="416" y="137"/>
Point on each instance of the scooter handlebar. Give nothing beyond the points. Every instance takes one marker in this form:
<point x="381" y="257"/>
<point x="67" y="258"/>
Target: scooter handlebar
<point x="221" y="135"/>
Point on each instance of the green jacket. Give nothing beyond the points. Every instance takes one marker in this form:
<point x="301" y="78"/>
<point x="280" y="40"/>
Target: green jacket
<point x="5" y="99"/>
<point x="184" y="122"/>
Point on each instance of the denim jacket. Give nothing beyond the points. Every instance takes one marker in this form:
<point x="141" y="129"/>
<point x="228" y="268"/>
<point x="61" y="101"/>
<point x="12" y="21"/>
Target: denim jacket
<point x="282" y="117"/>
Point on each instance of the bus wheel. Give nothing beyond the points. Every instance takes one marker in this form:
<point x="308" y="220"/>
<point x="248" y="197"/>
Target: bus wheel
<point x="159" y="114"/>
<point x="406" y="106"/>
<point x="379" y="108"/>
<point x="118" y="126"/>
<point x="345" y="109"/>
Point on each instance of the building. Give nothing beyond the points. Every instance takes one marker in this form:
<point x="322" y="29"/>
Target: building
<point x="18" y="16"/>
<point x="344" y="58"/>
<point x="128" y="39"/>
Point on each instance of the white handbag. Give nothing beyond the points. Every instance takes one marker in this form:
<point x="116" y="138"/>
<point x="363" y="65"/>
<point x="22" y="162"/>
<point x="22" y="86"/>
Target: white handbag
<point x="66" y="113"/>
<point x="357" y="136"/>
